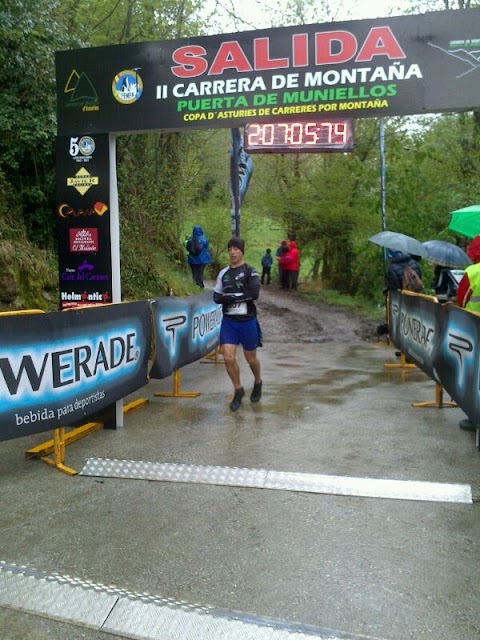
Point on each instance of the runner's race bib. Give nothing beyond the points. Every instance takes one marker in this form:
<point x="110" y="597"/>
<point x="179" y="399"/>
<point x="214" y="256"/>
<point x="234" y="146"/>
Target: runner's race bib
<point x="237" y="309"/>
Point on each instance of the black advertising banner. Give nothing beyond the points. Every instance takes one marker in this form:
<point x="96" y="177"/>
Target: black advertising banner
<point x="364" y="68"/>
<point x="185" y="330"/>
<point x="57" y="369"/>
<point x="457" y="359"/>
<point x="415" y="324"/>
<point x="83" y="220"/>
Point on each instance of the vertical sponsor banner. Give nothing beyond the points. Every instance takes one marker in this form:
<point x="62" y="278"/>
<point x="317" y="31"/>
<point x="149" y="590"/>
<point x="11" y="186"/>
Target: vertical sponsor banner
<point x="241" y="167"/>
<point x="418" y="327"/>
<point x="83" y="220"/>
<point x="457" y="359"/>
<point x="57" y="369"/>
<point x="185" y="330"/>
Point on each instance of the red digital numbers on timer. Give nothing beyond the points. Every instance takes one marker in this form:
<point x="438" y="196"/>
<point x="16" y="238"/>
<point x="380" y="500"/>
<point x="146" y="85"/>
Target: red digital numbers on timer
<point x="319" y="135"/>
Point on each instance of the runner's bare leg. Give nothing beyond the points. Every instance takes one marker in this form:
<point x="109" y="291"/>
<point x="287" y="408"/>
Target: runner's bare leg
<point x="229" y="356"/>
<point x="254" y="363"/>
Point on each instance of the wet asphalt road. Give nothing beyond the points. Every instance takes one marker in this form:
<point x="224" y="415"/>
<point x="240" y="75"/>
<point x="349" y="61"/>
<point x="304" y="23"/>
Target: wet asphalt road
<point x="383" y="568"/>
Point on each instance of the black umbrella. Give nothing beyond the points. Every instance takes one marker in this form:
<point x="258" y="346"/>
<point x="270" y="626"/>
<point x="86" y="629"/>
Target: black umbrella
<point x="446" y="254"/>
<point x="399" y="242"/>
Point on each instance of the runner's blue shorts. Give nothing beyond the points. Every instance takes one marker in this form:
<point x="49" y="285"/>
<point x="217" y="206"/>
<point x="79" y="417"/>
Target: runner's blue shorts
<point x="248" y="333"/>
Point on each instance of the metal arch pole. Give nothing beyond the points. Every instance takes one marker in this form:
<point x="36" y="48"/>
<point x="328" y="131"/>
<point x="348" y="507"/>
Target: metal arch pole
<point x="114" y="220"/>
<point x="115" y="244"/>
<point x="383" y="190"/>
<point x="383" y="200"/>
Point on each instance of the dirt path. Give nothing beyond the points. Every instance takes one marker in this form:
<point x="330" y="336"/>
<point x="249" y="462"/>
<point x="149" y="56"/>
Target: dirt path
<point x="285" y="317"/>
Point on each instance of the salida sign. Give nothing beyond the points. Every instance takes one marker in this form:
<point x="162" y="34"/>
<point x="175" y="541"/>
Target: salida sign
<point x="390" y="66"/>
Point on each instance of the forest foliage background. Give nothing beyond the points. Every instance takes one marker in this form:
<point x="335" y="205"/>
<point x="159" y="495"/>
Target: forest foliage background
<point x="168" y="181"/>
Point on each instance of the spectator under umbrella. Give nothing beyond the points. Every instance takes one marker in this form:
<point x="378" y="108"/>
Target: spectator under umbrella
<point x="468" y="294"/>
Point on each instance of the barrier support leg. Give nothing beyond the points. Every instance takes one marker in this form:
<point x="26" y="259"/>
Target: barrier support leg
<point x="62" y="439"/>
<point x="387" y="318"/>
<point x="403" y="364"/>
<point x="176" y="393"/>
<point x="48" y="447"/>
<point x="213" y="356"/>
<point x="438" y="402"/>
<point x="135" y="405"/>
<point x="59" y="453"/>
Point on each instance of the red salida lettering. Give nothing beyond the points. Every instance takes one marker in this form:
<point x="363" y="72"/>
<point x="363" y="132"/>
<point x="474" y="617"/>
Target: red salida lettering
<point x="331" y="47"/>
<point x="334" y="47"/>
<point x="300" y="49"/>
<point x="261" y="52"/>
<point x="190" y="60"/>
<point x="380" y="42"/>
<point x="230" y="55"/>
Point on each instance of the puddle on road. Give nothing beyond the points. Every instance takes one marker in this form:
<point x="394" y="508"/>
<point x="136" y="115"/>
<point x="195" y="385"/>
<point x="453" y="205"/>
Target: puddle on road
<point x="332" y="387"/>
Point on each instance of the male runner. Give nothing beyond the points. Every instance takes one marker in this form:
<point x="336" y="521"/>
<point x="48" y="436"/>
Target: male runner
<point x="237" y="286"/>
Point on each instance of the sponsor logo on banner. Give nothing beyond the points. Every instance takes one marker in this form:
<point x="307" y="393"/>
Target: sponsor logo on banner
<point x="67" y="211"/>
<point x="85" y="271"/>
<point x="83" y="240"/>
<point x="171" y="326"/>
<point x="206" y="322"/>
<point x="75" y="299"/>
<point x="467" y="51"/>
<point x="51" y="370"/>
<point x="81" y="149"/>
<point x="57" y="369"/>
<point x="82" y="181"/>
<point x="127" y="86"/>
<point x="460" y="344"/>
<point x="81" y="92"/>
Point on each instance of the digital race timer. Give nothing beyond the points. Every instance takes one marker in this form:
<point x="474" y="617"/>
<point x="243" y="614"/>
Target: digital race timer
<point x="299" y="137"/>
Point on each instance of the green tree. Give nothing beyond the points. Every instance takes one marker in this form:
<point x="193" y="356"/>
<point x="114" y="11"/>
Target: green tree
<point x="29" y="35"/>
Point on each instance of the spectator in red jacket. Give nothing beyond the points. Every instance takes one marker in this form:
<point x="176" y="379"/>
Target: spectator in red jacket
<point x="291" y="265"/>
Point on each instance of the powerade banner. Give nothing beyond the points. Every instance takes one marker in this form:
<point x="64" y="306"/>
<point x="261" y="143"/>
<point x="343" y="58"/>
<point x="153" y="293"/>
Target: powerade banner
<point x="457" y="360"/>
<point x="59" y="368"/>
<point x="83" y="220"/>
<point x="185" y="330"/>
<point x="383" y="67"/>
<point x="415" y="324"/>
